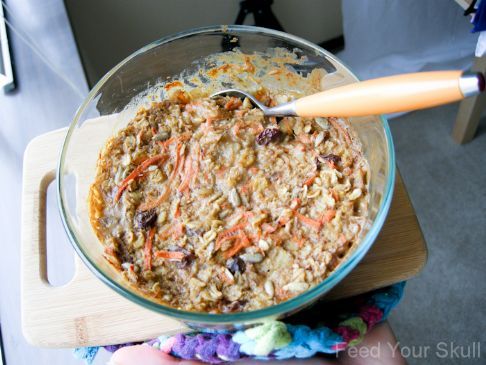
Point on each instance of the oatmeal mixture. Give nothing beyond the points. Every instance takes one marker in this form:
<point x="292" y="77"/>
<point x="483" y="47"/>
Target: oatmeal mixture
<point x="206" y="205"/>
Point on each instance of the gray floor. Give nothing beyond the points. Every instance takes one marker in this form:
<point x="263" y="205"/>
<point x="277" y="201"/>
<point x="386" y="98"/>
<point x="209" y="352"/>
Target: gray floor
<point x="444" y="306"/>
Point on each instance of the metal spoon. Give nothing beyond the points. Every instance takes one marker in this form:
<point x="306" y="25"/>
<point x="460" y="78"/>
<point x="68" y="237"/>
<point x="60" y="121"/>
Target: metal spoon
<point x="384" y="95"/>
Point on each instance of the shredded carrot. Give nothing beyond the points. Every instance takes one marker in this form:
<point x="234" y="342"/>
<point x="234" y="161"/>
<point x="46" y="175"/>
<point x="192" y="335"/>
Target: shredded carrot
<point x="175" y="231"/>
<point x="182" y="165"/>
<point x="173" y="84"/>
<point x="155" y="203"/>
<point x="248" y="214"/>
<point x="245" y="189"/>
<point x="187" y="176"/>
<point x="248" y="65"/>
<point x="277" y="239"/>
<point x="240" y="113"/>
<point x="236" y="216"/>
<point x="254" y="237"/>
<point x="226" y="239"/>
<point x="148" y="249"/>
<point x="178" y="231"/>
<point x="236" y="233"/>
<point x="304" y="138"/>
<point x="169" y="255"/>
<point x="229" y="232"/>
<point x="300" y="147"/>
<point x="343" y="131"/>
<point x="195" y="167"/>
<point x="295" y="203"/>
<point x="268" y="228"/>
<point x="310" y="180"/>
<point x="256" y="128"/>
<point x="334" y="194"/>
<point x="176" y="162"/>
<point x="139" y="159"/>
<point x="282" y="294"/>
<point x="165" y="144"/>
<point x="233" y="103"/>
<point x="166" y="233"/>
<point x="242" y="243"/>
<point x="181" y="96"/>
<point x="225" y="205"/>
<point x="221" y="172"/>
<point x="299" y="240"/>
<point x="236" y="128"/>
<point x="177" y="211"/>
<point x="154" y="131"/>
<point x="328" y="215"/>
<point x="140" y="135"/>
<point x="137" y="171"/>
<point x="283" y="221"/>
<point x="253" y="170"/>
<point x="208" y="125"/>
<point x="316" y="224"/>
<point x="182" y="138"/>
<point x="342" y="239"/>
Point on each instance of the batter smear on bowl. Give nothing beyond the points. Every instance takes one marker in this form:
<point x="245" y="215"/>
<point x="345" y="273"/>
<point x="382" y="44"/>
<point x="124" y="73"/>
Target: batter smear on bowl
<point x="207" y="206"/>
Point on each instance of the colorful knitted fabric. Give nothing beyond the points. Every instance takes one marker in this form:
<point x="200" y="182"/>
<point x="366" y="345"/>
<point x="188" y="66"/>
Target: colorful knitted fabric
<point x="345" y="323"/>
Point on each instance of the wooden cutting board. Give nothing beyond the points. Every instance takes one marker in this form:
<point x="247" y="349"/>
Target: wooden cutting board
<point x="85" y="312"/>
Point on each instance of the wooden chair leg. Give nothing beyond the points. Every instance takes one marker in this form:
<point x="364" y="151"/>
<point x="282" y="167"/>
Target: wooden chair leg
<point x="470" y="109"/>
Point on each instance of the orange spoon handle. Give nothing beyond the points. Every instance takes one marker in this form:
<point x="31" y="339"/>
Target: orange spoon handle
<point x="391" y="94"/>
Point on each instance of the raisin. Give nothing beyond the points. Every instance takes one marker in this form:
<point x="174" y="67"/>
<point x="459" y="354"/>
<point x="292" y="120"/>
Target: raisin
<point x="235" y="306"/>
<point x="186" y="261"/>
<point x="146" y="219"/>
<point x="267" y="136"/>
<point x="236" y="265"/>
<point x="327" y="158"/>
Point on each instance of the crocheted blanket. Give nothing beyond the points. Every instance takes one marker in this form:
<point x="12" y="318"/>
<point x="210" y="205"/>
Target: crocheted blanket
<point x="342" y="323"/>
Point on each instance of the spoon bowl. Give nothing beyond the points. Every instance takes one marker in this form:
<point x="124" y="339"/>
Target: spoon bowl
<point x="282" y="110"/>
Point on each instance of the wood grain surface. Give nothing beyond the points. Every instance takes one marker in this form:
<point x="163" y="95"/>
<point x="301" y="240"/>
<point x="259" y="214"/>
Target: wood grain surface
<point x="85" y="312"/>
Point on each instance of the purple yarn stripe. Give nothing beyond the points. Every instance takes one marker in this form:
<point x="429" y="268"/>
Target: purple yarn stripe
<point x="227" y="349"/>
<point x="206" y="347"/>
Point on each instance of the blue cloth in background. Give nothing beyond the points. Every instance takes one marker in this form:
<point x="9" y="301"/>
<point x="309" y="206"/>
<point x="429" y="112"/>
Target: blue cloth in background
<point x="479" y="19"/>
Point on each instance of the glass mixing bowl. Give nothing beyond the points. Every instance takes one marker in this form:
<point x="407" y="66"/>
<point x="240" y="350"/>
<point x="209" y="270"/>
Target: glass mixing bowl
<point x="105" y="110"/>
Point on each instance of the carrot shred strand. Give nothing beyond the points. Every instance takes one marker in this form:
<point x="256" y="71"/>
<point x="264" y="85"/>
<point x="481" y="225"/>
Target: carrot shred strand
<point x="299" y="240"/>
<point x="340" y="129"/>
<point x="268" y="228"/>
<point x="241" y="243"/>
<point x="148" y="249"/>
<point x="328" y="215"/>
<point x="309" y="181"/>
<point x="175" y="231"/>
<point x="155" y="203"/>
<point x="312" y="223"/>
<point x="169" y="255"/>
<point x="177" y="211"/>
<point x="137" y="171"/>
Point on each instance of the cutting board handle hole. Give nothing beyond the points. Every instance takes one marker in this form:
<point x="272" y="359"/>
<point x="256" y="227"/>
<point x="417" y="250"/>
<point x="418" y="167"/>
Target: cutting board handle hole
<point x="59" y="253"/>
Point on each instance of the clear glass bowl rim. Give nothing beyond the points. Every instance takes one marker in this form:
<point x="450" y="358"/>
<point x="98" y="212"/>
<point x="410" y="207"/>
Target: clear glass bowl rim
<point x="290" y="305"/>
